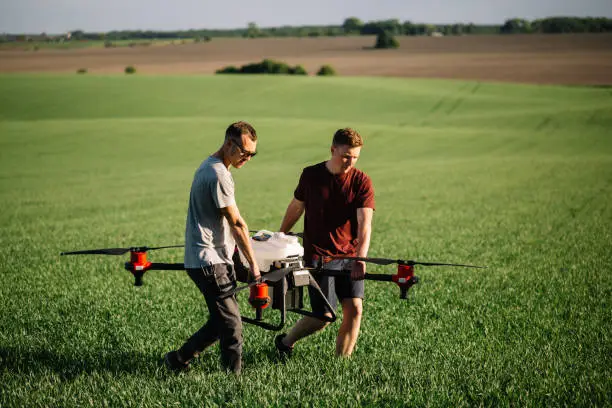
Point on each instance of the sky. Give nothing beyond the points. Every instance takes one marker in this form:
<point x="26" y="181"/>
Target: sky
<point x="59" y="16"/>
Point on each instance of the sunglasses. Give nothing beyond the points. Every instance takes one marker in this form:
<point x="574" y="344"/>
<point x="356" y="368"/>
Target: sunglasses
<point x="243" y="152"/>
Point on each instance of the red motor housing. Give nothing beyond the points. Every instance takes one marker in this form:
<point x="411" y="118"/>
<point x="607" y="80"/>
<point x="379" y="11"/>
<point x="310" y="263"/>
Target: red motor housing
<point x="404" y="279"/>
<point x="139" y="261"/>
<point x="258" y="297"/>
<point x="138" y="265"/>
<point x="404" y="275"/>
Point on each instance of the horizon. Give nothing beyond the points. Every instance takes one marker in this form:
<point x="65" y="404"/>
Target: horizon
<point x="38" y="16"/>
<point x="283" y="25"/>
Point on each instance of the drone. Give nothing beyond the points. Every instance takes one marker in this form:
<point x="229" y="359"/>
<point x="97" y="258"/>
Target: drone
<point x="282" y="286"/>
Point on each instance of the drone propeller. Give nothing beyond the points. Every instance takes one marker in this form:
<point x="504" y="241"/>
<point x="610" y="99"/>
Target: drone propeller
<point x="118" y="251"/>
<point x="385" y="261"/>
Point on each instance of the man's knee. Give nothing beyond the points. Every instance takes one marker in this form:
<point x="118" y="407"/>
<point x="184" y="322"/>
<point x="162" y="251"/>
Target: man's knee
<point x="324" y="323"/>
<point x="313" y="324"/>
<point x="317" y="324"/>
<point x="231" y="328"/>
<point x="229" y="324"/>
<point x="352" y="308"/>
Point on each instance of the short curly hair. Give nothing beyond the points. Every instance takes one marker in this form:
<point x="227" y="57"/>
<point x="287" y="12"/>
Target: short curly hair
<point x="347" y="137"/>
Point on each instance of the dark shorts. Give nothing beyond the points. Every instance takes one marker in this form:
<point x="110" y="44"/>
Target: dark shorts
<point x="334" y="288"/>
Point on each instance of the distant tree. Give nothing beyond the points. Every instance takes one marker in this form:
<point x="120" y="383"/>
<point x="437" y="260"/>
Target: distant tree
<point x="280" y="68"/>
<point x="298" y="70"/>
<point x="228" y="70"/>
<point x="393" y="26"/>
<point x="409" y="29"/>
<point x="386" y="40"/>
<point x="333" y="31"/>
<point x="326" y="70"/>
<point x="266" y="66"/>
<point x="485" y="29"/>
<point x="419" y="29"/>
<point x="600" y="25"/>
<point x="457" y="29"/>
<point x="572" y="25"/>
<point x="130" y="69"/>
<point x="253" y="31"/>
<point x="352" y="25"/>
<point x="77" y="35"/>
<point x="515" y="26"/>
<point x="315" y="32"/>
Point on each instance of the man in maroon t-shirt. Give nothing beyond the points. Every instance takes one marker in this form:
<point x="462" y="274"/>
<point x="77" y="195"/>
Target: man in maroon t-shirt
<point x="338" y="202"/>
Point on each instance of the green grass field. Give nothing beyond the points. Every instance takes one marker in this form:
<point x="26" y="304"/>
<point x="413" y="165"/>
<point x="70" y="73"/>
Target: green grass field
<point x="518" y="178"/>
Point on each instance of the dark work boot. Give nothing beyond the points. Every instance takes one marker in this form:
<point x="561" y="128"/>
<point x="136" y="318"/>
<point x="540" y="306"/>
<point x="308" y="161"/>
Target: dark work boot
<point x="284" y="351"/>
<point x="173" y="364"/>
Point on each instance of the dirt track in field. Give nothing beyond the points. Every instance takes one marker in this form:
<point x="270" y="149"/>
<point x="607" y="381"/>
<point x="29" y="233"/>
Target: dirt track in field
<point x="551" y="59"/>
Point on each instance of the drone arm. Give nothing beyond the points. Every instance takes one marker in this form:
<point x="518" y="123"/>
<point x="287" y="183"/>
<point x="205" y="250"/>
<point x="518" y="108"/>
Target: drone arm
<point x="405" y="278"/>
<point x="368" y="276"/>
<point x="166" y="267"/>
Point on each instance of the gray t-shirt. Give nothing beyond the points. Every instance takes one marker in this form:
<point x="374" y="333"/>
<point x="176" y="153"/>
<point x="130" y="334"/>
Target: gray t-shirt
<point x="208" y="240"/>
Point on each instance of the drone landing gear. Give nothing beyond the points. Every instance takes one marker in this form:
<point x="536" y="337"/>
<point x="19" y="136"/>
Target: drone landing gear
<point x="286" y="294"/>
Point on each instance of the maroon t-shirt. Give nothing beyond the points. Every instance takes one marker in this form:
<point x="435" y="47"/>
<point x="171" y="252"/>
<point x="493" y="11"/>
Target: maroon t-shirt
<point x="331" y="201"/>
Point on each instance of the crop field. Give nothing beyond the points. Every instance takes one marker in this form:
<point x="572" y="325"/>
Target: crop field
<point x="514" y="177"/>
<point x="534" y="58"/>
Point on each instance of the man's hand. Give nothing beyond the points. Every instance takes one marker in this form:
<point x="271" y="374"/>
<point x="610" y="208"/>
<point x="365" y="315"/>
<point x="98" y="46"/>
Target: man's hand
<point x="358" y="271"/>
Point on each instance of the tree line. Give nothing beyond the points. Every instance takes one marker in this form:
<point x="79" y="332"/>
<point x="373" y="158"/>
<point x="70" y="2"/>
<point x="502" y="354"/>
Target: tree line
<point x="350" y="26"/>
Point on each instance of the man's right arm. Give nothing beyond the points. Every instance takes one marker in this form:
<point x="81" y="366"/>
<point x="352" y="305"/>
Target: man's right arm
<point x="292" y="215"/>
<point x="240" y="232"/>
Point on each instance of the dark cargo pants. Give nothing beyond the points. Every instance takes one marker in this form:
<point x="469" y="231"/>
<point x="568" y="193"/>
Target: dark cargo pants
<point x="224" y="322"/>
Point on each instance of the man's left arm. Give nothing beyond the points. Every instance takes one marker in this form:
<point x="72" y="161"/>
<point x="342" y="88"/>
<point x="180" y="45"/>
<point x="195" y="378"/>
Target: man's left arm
<point x="364" y="231"/>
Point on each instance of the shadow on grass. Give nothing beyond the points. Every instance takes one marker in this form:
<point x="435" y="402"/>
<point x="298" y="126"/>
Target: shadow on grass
<point x="23" y="361"/>
<point x="255" y="358"/>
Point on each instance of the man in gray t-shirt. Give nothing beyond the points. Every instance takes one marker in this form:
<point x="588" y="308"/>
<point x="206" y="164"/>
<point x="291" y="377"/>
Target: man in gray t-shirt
<point x="213" y="228"/>
<point x="207" y="236"/>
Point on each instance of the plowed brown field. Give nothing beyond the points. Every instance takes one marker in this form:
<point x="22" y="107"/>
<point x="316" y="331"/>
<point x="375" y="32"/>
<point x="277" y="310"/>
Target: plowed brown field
<point x="553" y="59"/>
